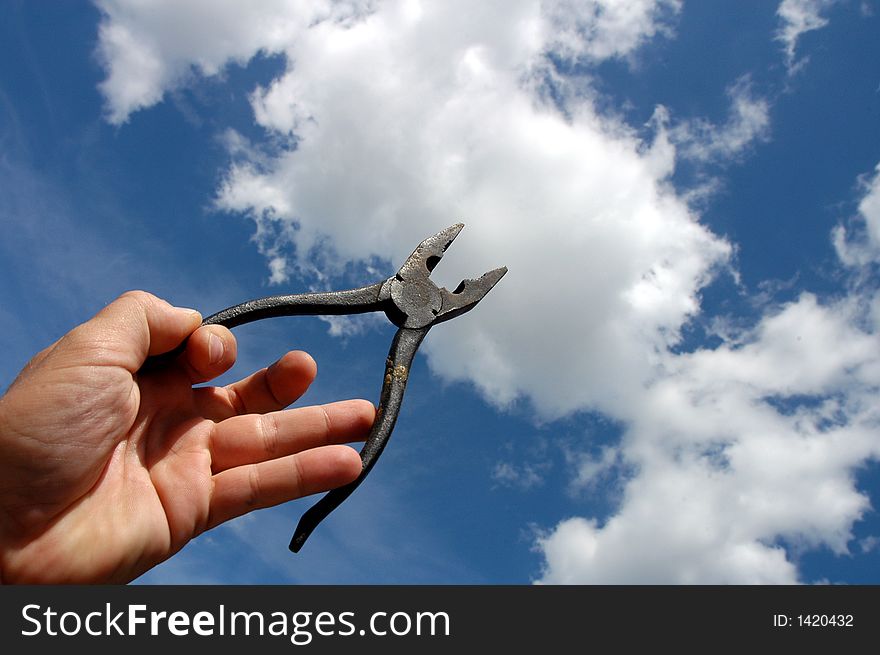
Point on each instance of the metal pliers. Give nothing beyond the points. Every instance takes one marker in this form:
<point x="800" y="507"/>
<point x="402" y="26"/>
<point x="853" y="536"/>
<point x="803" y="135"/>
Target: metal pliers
<point x="413" y="303"/>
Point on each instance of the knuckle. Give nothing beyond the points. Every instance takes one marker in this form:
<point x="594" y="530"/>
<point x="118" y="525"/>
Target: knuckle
<point x="299" y="477"/>
<point x="138" y="296"/>
<point x="269" y="433"/>
<point x="328" y="422"/>
<point x="254" y="487"/>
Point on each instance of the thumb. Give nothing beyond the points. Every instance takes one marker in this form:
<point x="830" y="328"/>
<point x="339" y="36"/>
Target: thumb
<point x="135" y="326"/>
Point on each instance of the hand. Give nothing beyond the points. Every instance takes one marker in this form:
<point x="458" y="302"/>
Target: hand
<point x="106" y="470"/>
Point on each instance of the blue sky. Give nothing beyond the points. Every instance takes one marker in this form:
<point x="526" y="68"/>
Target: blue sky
<point x="675" y="383"/>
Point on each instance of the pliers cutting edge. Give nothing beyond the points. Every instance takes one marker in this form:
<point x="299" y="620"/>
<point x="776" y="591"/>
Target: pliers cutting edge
<point x="413" y="303"/>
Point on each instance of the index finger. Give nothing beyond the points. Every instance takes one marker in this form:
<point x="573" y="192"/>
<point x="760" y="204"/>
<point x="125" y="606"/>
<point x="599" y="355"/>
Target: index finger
<point x="275" y="387"/>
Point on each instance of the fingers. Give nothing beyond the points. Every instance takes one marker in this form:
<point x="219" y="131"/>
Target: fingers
<point x="275" y="387"/>
<point x="267" y="390"/>
<point x="260" y="460"/>
<point x="252" y="438"/>
<point x="210" y="351"/>
<point x="133" y="327"/>
<point x="245" y="488"/>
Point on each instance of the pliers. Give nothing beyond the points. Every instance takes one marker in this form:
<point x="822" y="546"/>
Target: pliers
<point x="413" y="303"/>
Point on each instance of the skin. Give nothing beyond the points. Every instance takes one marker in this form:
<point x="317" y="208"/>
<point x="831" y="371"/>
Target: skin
<point x="106" y="470"/>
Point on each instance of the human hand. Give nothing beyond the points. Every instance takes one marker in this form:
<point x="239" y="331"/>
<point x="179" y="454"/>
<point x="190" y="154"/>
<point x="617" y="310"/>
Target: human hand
<point x="107" y="470"/>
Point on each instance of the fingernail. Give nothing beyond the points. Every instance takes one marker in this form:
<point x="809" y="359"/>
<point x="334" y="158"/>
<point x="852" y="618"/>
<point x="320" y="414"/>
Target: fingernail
<point x="190" y="312"/>
<point x="215" y="348"/>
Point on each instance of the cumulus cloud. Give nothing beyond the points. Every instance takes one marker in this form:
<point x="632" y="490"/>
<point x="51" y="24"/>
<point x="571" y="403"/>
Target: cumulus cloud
<point x="744" y="449"/>
<point x="739" y="450"/>
<point x="799" y="17"/>
<point x="397" y="119"/>
<point x="149" y="48"/>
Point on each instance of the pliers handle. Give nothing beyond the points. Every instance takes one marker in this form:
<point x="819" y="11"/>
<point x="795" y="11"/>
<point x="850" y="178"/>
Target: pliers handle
<point x="333" y="303"/>
<point x="413" y="303"/>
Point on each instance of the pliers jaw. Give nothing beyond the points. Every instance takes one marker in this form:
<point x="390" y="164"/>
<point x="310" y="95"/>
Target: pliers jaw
<point x="467" y="294"/>
<point x="414" y="301"/>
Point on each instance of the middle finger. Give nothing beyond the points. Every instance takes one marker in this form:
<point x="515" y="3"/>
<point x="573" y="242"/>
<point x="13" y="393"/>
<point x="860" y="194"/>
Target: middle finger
<point x="252" y="438"/>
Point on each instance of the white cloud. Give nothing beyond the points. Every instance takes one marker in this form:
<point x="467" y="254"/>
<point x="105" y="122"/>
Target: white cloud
<point x="748" y="122"/>
<point x="523" y="477"/>
<point x="401" y="120"/>
<point x="744" y="447"/>
<point x="149" y="48"/>
<point x="605" y="29"/>
<point x="591" y="468"/>
<point x="861" y="244"/>
<point x="736" y="448"/>
<point x="799" y="17"/>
